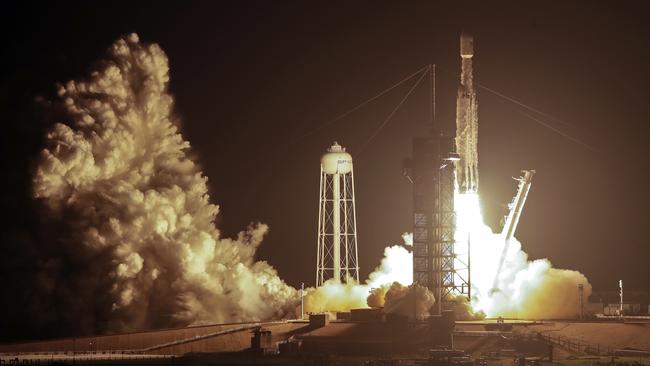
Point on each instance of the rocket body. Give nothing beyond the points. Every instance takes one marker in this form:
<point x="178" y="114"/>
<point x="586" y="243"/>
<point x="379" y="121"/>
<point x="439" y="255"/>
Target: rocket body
<point x="467" y="121"/>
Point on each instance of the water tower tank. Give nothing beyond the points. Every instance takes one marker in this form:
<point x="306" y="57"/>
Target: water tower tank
<point x="336" y="160"/>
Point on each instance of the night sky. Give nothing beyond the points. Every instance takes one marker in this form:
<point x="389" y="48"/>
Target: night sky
<point x="251" y="79"/>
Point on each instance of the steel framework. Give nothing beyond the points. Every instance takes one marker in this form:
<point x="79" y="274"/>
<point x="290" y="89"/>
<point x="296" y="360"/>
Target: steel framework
<point x="337" y="229"/>
<point x="436" y="264"/>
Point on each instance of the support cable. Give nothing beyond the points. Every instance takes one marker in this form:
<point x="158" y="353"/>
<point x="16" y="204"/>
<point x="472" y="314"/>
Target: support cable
<point x="559" y="132"/>
<point x="556" y="130"/>
<point x="381" y="126"/>
<point x="361" y="105"/>
<point x="432" y="95"/>
<point x="533" y="118"/>
<point x="521" y="104"/>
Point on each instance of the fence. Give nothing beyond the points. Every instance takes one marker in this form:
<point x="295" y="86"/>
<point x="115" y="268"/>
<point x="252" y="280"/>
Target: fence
<point x="575" y="345"/>
<point x="46" y="358"/>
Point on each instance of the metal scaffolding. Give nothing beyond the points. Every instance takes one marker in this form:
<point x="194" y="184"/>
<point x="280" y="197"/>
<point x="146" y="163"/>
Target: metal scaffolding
<point x="436" y="264"/>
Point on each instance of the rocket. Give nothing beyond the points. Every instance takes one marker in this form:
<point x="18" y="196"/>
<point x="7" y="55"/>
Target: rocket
<point x="467" y="121"/>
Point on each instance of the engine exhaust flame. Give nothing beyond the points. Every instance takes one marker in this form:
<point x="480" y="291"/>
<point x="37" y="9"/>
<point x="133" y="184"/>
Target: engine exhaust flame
<point x="528" y="289"/>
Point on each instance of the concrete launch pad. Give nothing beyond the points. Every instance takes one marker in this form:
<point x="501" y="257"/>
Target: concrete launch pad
<point x="347" y="342"/>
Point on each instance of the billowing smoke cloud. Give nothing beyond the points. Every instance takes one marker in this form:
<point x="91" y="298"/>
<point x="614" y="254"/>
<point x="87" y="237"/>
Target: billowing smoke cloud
<point x="524" y="289"/>
<point x="397" y="298"/>
<point x="538" y="291"/>
<point x="463" y="309"/>
<point x="408" y="239"/>
<point x="396" y="266"/>
<point x="140" y="239"/>
<point x="333" y="296"/>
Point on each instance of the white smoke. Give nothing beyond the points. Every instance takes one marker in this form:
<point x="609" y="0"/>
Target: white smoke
<point x="524" y="288"/>
<point x="408" y="239"/>
<point x="395" y="268"/>
<point x="409" y="301"/>
<point x="117" y="171"/>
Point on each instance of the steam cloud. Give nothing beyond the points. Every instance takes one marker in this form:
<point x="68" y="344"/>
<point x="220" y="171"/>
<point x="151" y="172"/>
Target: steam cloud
<point x="525" y="289"/>
<point x="399" y="299"/>
<point x="395" y="270"/>
<point x="141" y="227"/>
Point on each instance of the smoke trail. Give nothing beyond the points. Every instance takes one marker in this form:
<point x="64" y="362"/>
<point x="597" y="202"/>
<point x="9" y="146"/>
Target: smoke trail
<point x="141" y="249"/>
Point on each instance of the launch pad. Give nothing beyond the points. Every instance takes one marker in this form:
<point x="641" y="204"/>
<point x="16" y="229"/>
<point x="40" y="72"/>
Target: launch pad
<point x="349" y="342"/>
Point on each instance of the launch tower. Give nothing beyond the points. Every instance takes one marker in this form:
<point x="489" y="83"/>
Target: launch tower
<point x="337" y="229"/>
<point x="436" y="264"/>
<point x="439" y="164"/>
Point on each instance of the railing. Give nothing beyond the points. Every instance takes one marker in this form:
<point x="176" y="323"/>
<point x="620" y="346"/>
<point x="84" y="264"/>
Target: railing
<point x="47" y="358"/>
<point x="575" y="345"/>
<point x="481" y="333"/>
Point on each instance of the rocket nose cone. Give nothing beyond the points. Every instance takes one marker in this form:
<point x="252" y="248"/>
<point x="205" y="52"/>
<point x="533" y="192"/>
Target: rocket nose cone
<point x="466" y="45"/>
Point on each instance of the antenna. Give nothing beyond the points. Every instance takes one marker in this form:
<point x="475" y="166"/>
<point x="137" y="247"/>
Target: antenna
<point x="302" y="300"/>
<point x="432" y="96"/>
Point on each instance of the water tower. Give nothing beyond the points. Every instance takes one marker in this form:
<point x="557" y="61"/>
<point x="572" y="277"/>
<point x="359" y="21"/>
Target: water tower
<point x="337" y="227"/>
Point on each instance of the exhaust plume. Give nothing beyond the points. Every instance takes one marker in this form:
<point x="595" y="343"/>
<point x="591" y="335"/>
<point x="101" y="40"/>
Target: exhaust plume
<point x="335" y="296"/>
<point x="526" y="289"/>
<point x="140" y="226"/>
<point x="397" y="298"/>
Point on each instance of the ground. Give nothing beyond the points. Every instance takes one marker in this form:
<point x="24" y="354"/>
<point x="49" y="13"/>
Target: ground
<point x="574" y="344"/>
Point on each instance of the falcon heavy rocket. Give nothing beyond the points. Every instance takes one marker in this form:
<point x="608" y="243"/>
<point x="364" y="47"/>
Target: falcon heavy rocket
<point x="467" y="121"/>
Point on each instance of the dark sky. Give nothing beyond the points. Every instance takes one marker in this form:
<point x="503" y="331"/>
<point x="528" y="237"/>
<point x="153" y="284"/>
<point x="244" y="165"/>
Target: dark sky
<point x="251" y="78"/>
